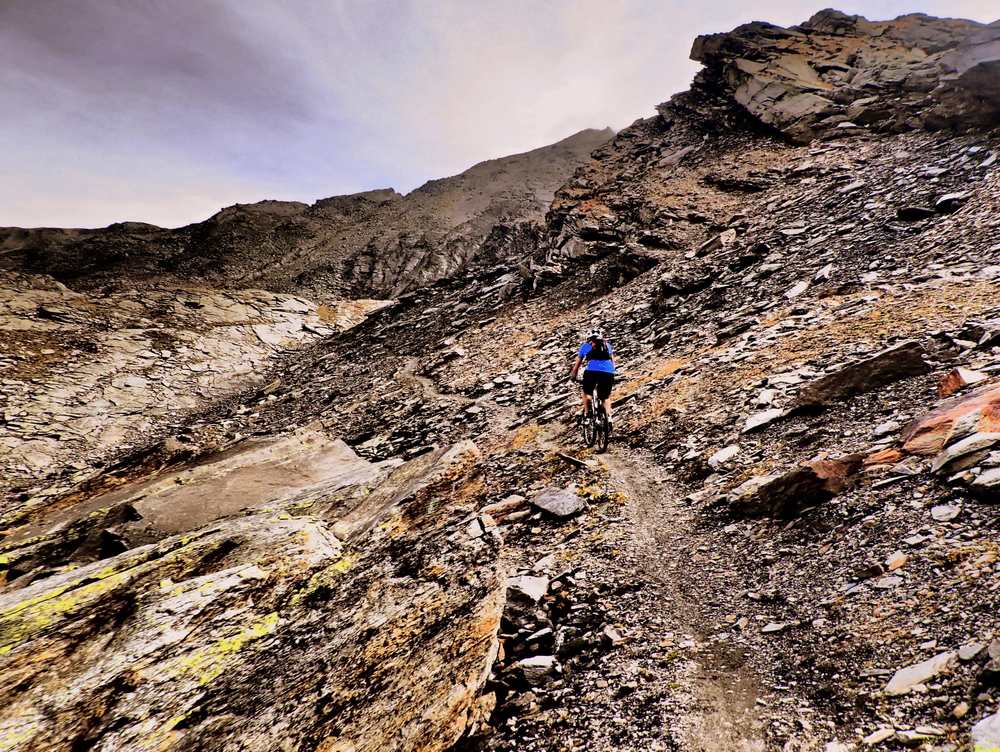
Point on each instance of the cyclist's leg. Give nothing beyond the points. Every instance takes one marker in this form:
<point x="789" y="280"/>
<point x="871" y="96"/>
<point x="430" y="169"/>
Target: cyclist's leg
<point x="604" y="392"/>
<point x="588" y="387"/>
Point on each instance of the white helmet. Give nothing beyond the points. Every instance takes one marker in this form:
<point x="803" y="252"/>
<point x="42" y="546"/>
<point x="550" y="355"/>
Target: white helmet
<point x="595" y="333"/>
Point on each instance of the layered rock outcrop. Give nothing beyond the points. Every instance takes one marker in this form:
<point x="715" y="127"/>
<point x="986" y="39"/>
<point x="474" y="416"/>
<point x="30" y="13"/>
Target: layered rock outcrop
<point x="262" y="630"/>
<point x="836" y="72"/>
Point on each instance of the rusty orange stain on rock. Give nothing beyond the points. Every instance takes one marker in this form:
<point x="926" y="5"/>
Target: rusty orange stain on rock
<point x="975" y="412"/>
<point x="883" y="457"/>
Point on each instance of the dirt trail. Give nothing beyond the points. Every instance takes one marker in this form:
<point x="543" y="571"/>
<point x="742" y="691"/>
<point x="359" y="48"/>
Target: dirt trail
<point x="718" y="687"/>
<point x="409" y="378"/>
<point x="716" y="699"/>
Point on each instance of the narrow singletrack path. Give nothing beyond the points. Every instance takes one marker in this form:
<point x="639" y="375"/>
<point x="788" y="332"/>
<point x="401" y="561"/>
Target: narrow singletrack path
<point x="718" y="688"/>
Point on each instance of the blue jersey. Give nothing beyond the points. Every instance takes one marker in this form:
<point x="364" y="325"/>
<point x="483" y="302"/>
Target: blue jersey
<point x="604" y="366"/>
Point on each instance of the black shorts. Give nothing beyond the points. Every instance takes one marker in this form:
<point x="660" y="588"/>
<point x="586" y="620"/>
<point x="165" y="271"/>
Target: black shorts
<point x="602" y="380"/>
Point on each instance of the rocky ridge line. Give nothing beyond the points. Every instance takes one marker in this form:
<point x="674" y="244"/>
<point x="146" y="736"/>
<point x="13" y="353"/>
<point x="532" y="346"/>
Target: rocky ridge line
<point x="372" y="244"/>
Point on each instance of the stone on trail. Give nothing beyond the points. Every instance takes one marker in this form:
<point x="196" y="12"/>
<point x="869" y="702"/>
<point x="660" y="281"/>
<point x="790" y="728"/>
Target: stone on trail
<point x="884" y="429"/>
<point x="895" y="561"/>
<point x="945" y="512"/>
<point x="723" y="456"/>
<point x="878" y="736"/>
<point x="887" y="583"/>
<point x="970" y="650"/>
<point x="501" y="509"/>
<point x="537" y="669"/>
<point x="951" y="202"/>
<point x="759" y="420"/>
<point x="965" y="453"/>
<point x="561" y="502"/>
<point x="526" y="586"/>
<point x="797" y="289"/>
<point x="907" y="678"/>
<point x="987" y="484"/>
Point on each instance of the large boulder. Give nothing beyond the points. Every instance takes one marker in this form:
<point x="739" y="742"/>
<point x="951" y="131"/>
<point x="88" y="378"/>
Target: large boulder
<point x="901" y="361"/>
<point x="953" y="420"/>
<point x="786" y="495"/>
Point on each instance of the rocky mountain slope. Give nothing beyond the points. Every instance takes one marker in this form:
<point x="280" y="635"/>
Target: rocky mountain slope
<point x="372" y="244"/>
<point x="400" y="542"/>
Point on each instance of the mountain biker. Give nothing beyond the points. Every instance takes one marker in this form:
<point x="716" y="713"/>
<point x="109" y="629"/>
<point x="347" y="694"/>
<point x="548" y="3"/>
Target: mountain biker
<point x="599" y="370"/>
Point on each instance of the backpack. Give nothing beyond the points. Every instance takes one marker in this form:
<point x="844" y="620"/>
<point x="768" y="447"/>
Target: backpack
<point x="599" y="351"/>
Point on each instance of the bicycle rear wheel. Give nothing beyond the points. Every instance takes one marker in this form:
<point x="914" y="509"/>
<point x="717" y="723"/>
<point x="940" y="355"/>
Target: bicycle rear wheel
<point x="603" y="430"/>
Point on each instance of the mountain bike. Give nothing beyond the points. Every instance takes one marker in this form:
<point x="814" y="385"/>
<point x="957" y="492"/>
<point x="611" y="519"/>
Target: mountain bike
<point x="596" y="429"/>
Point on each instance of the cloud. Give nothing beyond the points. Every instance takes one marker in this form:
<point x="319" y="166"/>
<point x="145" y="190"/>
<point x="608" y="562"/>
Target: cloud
<point x="166" y="110"/>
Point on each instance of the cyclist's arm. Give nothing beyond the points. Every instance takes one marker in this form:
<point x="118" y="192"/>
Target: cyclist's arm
<point x="576" y="368"/>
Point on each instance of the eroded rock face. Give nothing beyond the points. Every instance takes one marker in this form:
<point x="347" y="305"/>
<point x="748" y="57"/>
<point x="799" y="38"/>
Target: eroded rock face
<point x="836" y="72"/>
<point x="264" y="631"/>
<point x="975" y="65"/>
<point x="87" y="373"/>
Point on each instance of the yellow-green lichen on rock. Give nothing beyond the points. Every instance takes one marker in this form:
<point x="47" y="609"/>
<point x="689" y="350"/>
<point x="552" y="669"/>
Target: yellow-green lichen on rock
<point x="257" y="632"/>
<point x="207" y="663"/>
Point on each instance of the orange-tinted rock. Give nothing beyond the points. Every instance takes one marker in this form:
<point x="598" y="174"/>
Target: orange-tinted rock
<point x="957" y="379"/>
<point x="884" y="457"/>
<point x="804" y="486"/>
<point x="977" y="412"/>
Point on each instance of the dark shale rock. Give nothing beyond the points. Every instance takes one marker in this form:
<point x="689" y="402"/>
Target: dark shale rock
<point x="898" y="362"/>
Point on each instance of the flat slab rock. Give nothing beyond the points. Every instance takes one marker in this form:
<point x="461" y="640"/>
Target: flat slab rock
<point x="952" y="420"/>
<point x="986" y="734"/>
<point x="892" y="364"/>
<point x="905" y="679"/>
<point x="561" y="502"/>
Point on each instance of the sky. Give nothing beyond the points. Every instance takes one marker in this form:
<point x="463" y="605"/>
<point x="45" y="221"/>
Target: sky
<point x="167" y="110"/>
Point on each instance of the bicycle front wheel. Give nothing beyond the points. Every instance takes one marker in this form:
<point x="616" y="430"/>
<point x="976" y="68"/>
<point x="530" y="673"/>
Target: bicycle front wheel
<point x="589" y="429"/>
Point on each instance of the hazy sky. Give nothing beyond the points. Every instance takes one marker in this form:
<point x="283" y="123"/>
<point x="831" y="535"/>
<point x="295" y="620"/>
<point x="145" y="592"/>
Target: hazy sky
<point x="167" y="110"/>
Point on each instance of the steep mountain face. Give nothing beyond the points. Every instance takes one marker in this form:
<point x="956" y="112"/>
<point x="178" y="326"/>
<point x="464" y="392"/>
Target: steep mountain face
<point x="371" y="244"/>
<point x="398" y="540"/>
